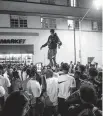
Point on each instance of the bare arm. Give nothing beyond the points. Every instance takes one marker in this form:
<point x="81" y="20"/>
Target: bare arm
<point x="44" y="44"/>
<point x="59" y="42"/>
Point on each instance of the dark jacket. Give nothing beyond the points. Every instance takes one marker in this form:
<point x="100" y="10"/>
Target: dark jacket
<point x="52" y="42"/>
<point x="75" y="100"/>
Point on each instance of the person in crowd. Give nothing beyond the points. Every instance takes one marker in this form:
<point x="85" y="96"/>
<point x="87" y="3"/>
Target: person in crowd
<point x="15" y="105"/>
<point x="77" y="66"/>
<point x="74" y="68"/>
<point x="19" y="72"/>
<point x="37" y="75"/>
<point x="52" y="94"/>
<point x="4" y="82"/>
<point x="100" y="84"/>
<point x="15" y="72"/>
<point x="93" y="74"/>
<point x="5" y="73"/>
<point x="16" y="84"/>
<point x="24" y="76"/>
<point x="10" y="75"/>
<point x="66" y="85"/>
<point x="83" y="75"/>
<point x="24" y="83"/>
<point x="78" y="80"/>
<point x="2" y="94"/>
<point x="71" y="66"/>
<point x="83" y="102"/>
<point x="99" y="78"/>
<point x="52" y="43"/>
<point x="34" y="89"/>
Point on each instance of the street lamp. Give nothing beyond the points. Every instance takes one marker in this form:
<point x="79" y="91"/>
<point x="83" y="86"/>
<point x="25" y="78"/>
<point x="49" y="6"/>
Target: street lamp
<point x="97" y="4"/>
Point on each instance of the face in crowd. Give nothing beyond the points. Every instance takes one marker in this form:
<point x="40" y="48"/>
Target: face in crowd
<point x="52" y="32"/>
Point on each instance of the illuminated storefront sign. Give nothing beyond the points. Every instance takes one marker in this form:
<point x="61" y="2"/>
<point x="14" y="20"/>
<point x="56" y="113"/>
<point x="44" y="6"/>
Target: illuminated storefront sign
<point x="12" y="41"/>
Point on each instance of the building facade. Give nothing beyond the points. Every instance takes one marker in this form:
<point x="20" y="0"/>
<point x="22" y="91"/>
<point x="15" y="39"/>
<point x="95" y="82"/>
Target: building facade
<point x="25" y="25"/>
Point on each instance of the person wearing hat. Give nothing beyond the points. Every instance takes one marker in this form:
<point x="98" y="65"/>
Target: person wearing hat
<point x="52" y="43"/>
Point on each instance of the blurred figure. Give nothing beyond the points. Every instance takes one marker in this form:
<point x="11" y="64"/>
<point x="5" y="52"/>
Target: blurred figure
<point x="93" y="75"/>
<point x="4" y="82"/>
<point x="19" y="72"/>
<point x="71" y="66"/>
<point x="34" y="89"/>
<point x="86" y="99"/>
<point x="77" y="79"/>
<point x="52" y="43"/>
<point x="24" y="76"/>
<point x="24" y="83"/>
<point x="15" y="105"/>
<point x="52" y="94"/>
<point x="16" y="83"/>
<point x="2" y="94"/>
<point x="82" y="70"/>
<point x="66" y="85"/>
<point x="77" y="66"/>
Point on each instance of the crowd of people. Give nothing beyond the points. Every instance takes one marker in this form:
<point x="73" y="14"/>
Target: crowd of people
<point x="68" y="90"/>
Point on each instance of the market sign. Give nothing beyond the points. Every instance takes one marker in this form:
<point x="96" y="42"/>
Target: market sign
<point x="12" y="41"/>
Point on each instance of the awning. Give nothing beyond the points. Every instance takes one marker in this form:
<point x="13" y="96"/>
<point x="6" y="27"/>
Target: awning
<point x="16" y="49"/>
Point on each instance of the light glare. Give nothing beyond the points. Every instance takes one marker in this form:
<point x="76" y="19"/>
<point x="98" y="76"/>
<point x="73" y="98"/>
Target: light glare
<point x="97" y="4"/>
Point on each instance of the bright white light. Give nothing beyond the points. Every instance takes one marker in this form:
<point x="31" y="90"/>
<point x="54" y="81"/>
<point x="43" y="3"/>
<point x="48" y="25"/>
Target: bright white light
<point x="97" y="4"/>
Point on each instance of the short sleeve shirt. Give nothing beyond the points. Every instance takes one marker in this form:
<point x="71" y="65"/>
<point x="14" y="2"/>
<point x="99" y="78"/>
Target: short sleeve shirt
<point x="52" y="89"/>
<point x="65" y="83"/>
<point x="34" y="87"/>
<point x="4" y="82"/>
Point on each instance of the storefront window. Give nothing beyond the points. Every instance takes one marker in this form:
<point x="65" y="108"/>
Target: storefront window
<point x="16" y="59"/>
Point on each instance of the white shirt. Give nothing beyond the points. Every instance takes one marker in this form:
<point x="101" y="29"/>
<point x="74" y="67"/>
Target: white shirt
<point x="4" y="82"/>
<point x="52" y="89"/>
<point x="56" y="75"/>
<point x="33" y="87"/>
<point x="2" y="91"/>
<point x="65" y="83"/>
<point x="24" y="75"/>
<point x="19" y="72"/>
<point x="5" y="75"/>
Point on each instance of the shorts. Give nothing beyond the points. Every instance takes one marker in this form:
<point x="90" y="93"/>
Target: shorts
<point x="52" y="53"/>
